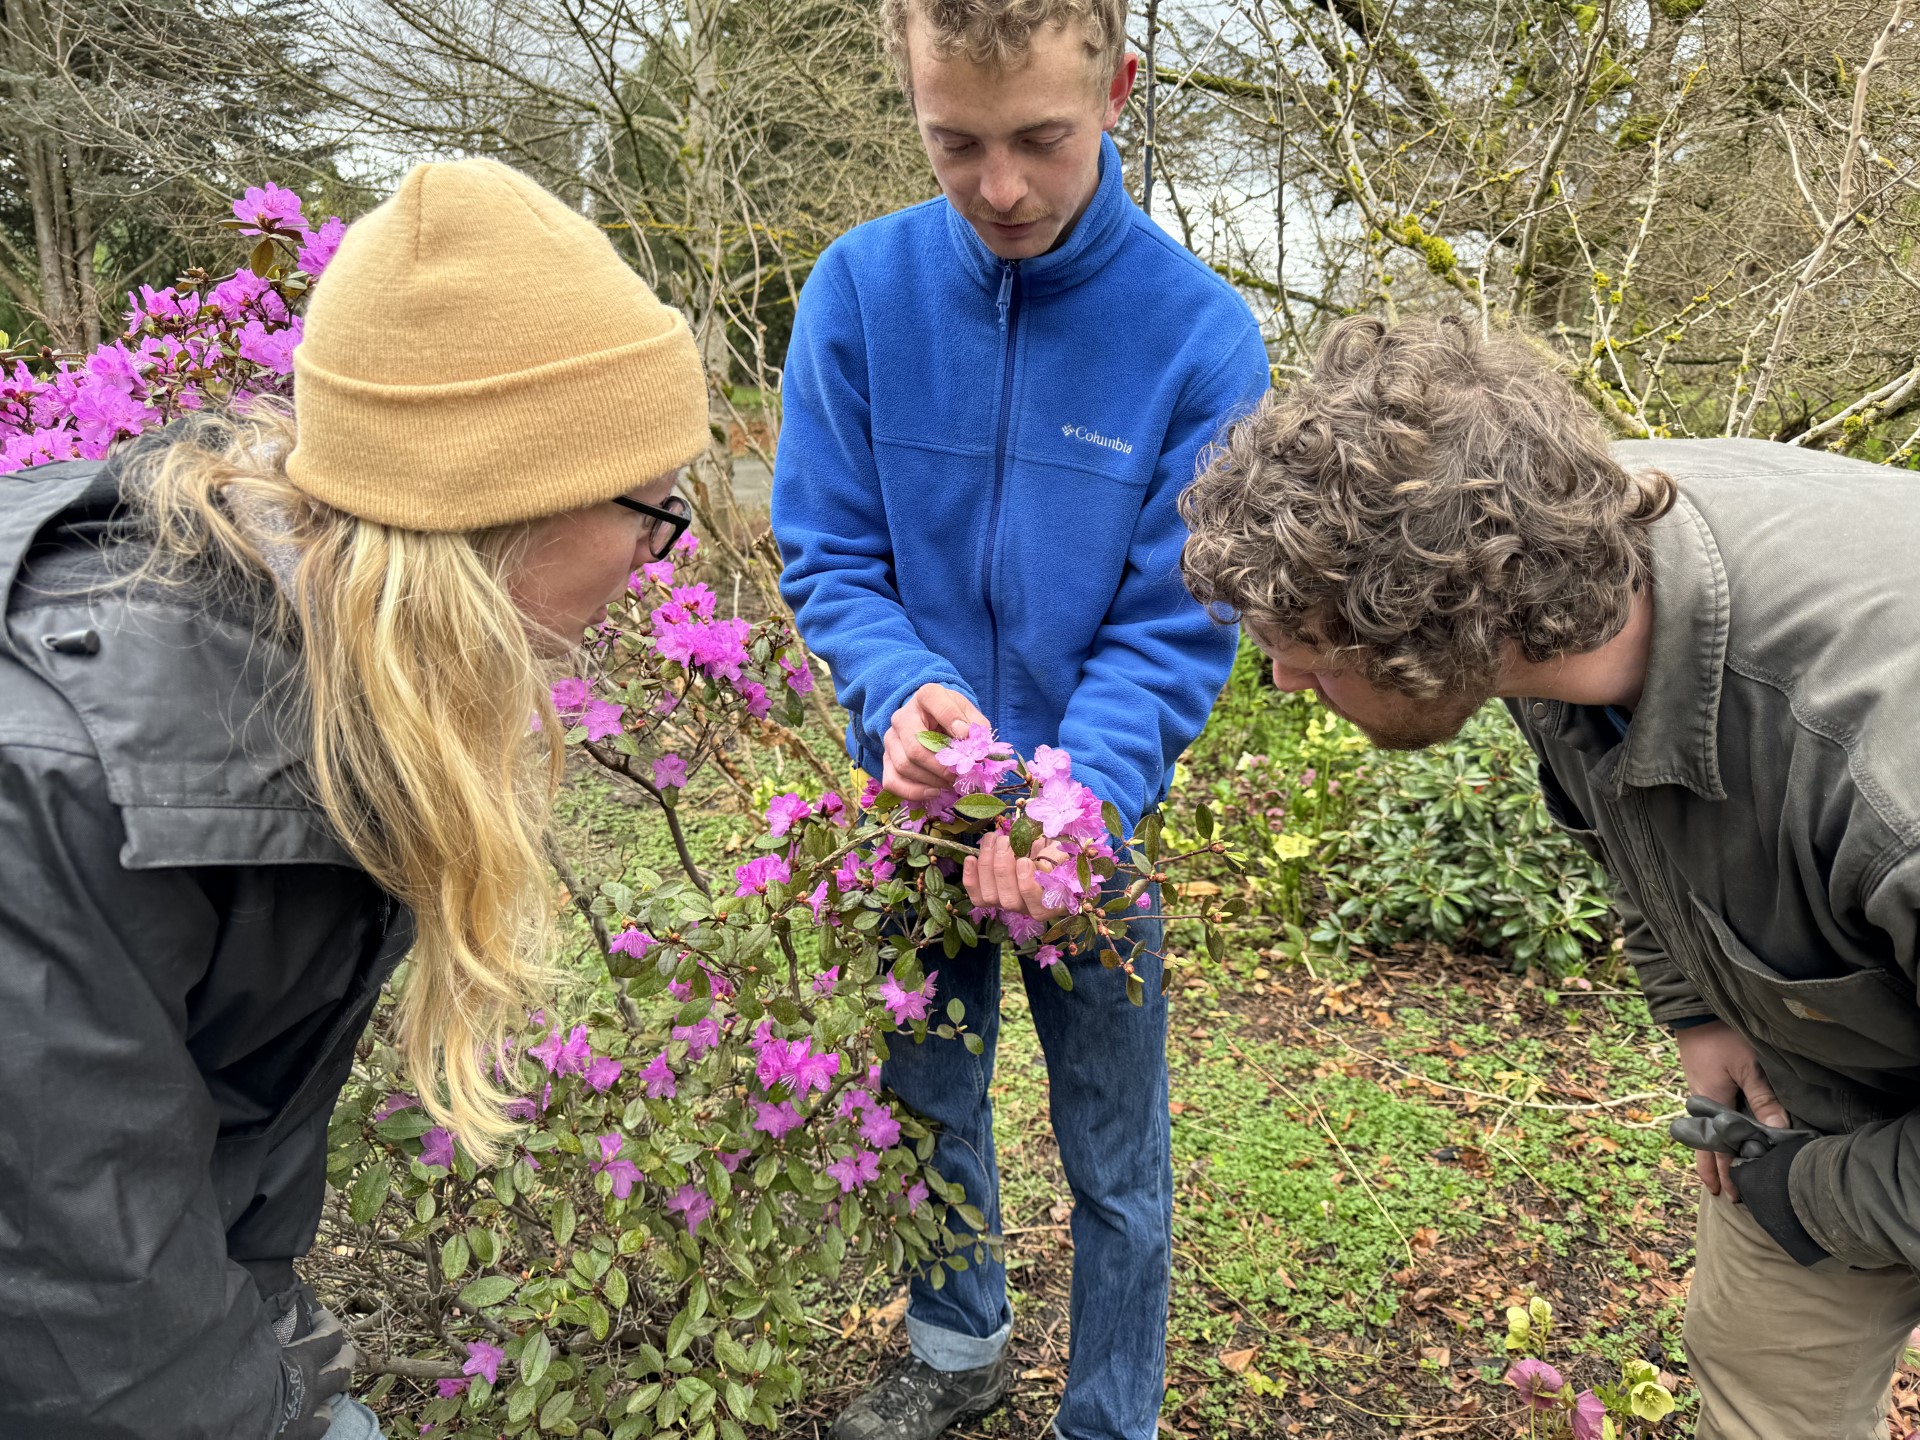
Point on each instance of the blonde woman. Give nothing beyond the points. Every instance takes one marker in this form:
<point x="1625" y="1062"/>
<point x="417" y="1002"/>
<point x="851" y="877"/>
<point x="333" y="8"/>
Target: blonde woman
<point x="264" y="730"/>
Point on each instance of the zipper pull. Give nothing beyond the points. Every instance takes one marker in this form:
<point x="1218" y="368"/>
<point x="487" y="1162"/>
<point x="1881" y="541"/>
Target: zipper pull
<point x="1007" y="269"/>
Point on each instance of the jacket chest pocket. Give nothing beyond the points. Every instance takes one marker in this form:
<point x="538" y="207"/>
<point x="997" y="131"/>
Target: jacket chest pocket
<point x="1856" y="1024"/>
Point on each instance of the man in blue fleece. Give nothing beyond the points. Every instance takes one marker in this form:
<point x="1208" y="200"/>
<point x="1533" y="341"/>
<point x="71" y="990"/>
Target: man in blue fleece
<point x="992" y="401"/>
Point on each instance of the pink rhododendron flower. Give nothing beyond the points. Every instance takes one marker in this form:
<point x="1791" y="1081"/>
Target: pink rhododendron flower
<point x="623" y="1173"/>
<point x="692" y="1203"/>
<point x="268" y="205"/>
<point x="853" y="1101"/>
<point x="1022" y="927"/>
<point x="799" y="676"/>
<point x="659" y="572"/>
<point x="852" y="1171"/>
<point x="817" y="903"/>
<point x="632" y="941"/>
<point x="271" y="349"/>
<point x="1060" y="887"/>
<point x="776" y="1120"/>
<point x="321" y="245"/>
<point x="978" y="753"/>
<point x="758" y="705"/>
<point x="1589" y="1415"/>
<point x="1047" y="956"/>
<point x="602" y="719"/>
<point x="833" y="807"/>
<point x="905" y="1005"/>
<point x="659" y="1078"/>
<point x="916" y="1194"/>
<point x="570" y="697"/>
<point x="813" y="1072"/>
<point x="602" y="1071"/>
<point x="483" y="1360"/>
<point x="826" y="980"/>
<point x="697" y="600"/>
<point x="1538" y="1382"/>
<point x="786" y="812"/>
<point x="879" y="1128"/>
<point x="1049" y="764"/>
<point x="450" y="1390"/>
<point x="393" y="1104"/>
<point x="669" y="772"/>
<point x="436" y="1148"/>
<point x="730" y="1159"/>
<point x="699" y="1037"/>
<point x="687" y="543"/>
<point x="755" y="876"/>
<point x="870" y="795"/>
<point x="564" y="1057"/>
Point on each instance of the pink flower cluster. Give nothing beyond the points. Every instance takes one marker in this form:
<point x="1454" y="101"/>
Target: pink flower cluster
<point x="575" y="703"/>
<point x="180" y="352"/>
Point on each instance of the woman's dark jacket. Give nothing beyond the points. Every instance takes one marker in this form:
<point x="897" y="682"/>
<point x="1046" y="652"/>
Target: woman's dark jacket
<point x="187" y="960"/>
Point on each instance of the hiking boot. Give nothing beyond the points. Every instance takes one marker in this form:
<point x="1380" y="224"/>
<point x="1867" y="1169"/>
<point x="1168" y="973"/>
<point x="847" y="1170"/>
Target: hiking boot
<point x="914" y="1401"/>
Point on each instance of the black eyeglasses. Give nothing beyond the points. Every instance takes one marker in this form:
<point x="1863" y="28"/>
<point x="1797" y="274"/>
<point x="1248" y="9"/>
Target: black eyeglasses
<point x="670" y="521"/>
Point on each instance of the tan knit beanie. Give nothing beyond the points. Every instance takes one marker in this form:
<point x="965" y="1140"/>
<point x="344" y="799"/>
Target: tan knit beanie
<point x="477" y="353"/>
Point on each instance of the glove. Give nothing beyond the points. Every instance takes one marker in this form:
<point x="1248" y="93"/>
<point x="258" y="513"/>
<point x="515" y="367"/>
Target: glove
<point x="316" y="1362"/>
<point x="1709" y="1125"/>
<point x="1763" y="1159"/>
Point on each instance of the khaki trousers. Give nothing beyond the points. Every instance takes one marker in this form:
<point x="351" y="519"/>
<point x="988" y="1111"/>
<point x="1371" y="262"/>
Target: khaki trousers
<point x="1782" y="1352"/>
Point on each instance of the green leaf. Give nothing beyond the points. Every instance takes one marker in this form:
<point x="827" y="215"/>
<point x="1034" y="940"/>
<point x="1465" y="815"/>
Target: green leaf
<point x="956" y="1011"/>
<point x="535" y="1357"/>
<point x="615" y="1286"/>
<point x="1110" y="816"/>
<point x="981" y="807"/>
<point x="1061" y="976"/>
<point x="556" y="1409"/>
<point x="1203" y="822"/>
<point x="454" y="1256"/>
<point x="487" y="1290"/>
<point x="369" y="1192"/>
<point x="599" y="1322"/>
<point x="679" y="1334"/>
<point x="1136" y="991"/>
<point x="485" y="1246"/>
<point x="261" y="260"/>
<point x="975" y="1045"/>
<point x="564" y="1219"/>
<point x="520" y="1403"/>
<point x="935" y="741"/>
<point x="1022" y="836"/>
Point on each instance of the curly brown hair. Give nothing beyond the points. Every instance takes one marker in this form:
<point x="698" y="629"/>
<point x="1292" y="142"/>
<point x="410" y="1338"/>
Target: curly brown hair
<point x="1426" y="496"/>
<point x="998" y="33"/>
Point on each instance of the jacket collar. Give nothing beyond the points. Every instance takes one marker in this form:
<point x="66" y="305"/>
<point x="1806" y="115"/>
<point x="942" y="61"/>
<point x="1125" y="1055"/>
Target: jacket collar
<point x="1674" y="738"/>
<point x="1094" y="240"/>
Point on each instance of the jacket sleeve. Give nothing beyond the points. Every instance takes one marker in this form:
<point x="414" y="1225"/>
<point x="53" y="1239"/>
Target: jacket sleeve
<point x="838" y="576"/>
<point x="121" y="1316"/>
<point x="1858" y="1194"/>
<point x="1159" y="659"/>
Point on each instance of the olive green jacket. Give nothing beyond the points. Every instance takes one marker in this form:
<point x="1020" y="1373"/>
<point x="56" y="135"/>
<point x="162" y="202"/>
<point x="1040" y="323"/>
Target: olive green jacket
<point x="1761" y="818"/>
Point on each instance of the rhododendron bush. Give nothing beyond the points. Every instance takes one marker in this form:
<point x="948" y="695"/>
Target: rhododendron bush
<point x="714" y="1135"/>
<point x="705" y="1139"/>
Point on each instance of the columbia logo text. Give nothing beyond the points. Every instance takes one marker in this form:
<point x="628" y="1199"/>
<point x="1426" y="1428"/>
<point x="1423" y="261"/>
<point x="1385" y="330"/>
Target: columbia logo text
<point x="1094" y="437"/>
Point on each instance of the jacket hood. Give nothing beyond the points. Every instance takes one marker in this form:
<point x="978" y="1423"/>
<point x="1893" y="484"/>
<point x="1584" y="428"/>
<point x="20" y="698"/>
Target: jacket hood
<point x="193" y="713"/>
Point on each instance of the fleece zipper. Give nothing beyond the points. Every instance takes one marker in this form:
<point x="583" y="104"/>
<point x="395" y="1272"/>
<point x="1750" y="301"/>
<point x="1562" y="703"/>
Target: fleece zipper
<point x="1008" y="305"/>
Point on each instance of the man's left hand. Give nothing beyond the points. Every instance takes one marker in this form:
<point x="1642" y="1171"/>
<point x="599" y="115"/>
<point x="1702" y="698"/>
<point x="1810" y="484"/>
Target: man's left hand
<point x="1001" y="880"/>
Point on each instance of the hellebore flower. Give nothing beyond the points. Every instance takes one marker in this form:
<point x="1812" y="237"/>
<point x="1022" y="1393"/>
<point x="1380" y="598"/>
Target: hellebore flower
<point x="1539" y="1383"/>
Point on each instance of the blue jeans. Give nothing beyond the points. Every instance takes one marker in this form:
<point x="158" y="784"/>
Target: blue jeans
<point x="353" y="1421"/>
<point x="1107" y="1075"/>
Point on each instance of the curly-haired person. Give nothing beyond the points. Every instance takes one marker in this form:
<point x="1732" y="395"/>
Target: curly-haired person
<point x="1713" y="647"/>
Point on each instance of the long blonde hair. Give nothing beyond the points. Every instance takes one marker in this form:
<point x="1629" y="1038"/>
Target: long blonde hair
<point x="420" y="683"/>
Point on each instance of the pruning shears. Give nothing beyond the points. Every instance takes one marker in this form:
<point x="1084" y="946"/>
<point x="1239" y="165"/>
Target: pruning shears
<point x="1709" y="1125"/>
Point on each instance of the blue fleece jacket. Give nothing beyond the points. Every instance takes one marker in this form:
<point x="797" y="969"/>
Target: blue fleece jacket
<point x="977" y="473"/>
